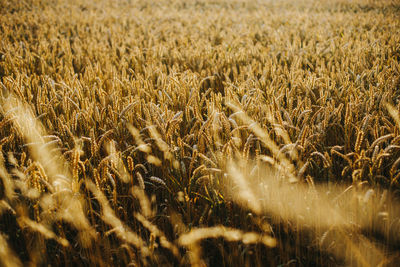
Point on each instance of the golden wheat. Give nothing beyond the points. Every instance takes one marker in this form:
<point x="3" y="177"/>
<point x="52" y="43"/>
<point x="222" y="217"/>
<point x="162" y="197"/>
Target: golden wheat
<point x="227" y="132"/>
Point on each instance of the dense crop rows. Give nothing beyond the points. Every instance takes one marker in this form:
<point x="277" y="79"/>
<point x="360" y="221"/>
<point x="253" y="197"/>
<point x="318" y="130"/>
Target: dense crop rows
<point x="199" y="132"/>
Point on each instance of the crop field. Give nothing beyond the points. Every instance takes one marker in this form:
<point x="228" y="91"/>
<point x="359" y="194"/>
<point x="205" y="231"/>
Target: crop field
<point x="199" y="133"/>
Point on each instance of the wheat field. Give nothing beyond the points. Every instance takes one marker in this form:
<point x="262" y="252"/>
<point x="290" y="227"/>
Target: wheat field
<point x="199" y="133"/>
